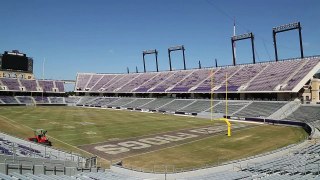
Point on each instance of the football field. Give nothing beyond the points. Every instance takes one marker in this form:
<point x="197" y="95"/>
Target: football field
<point x="145" y="139"/>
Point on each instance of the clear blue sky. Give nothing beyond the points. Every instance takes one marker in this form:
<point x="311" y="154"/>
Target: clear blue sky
<point x="107" y="36"/>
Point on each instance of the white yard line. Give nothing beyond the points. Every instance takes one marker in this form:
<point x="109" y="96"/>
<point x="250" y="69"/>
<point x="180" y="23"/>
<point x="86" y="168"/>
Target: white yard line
<point x="147" y="135"/>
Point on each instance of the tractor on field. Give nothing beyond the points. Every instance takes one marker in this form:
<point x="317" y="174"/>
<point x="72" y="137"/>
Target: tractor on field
<point x="40" y="137"/>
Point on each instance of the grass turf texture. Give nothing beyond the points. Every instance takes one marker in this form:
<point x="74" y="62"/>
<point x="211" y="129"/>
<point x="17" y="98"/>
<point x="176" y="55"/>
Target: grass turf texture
<point x="69" y="127"/>
<point x="220" y="148"/>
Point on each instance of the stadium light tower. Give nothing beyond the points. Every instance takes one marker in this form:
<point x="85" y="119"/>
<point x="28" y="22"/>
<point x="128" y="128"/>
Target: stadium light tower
<point x="150" y="52"/>
<point x="284" y="28"/>
<point x="177" y="48"/>
<point x="242" y="37"/>
<point x="44" y="61"/>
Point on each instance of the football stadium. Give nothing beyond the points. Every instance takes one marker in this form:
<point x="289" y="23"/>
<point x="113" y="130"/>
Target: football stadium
<point x="257" y="119"/>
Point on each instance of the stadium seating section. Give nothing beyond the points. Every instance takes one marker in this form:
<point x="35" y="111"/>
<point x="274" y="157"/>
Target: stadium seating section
<point x="260" y="109"/>
<point x="300" y="164"/>
<point x="307" y="113"/>
<point x="237" y="108"/>
<point x="262" y="77"/>
<point x="22" y="85"/>
<point x="107" y="175"/>
<point x="296" y="165"/>
<point x="35" y="153"/>
<point x="20" y="159"/>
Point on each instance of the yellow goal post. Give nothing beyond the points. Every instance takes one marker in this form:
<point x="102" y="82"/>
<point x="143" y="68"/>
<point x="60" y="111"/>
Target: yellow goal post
<point x="212" y="105"/>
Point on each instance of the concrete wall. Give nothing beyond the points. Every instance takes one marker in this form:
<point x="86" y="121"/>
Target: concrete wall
<point x="315" y="91"/>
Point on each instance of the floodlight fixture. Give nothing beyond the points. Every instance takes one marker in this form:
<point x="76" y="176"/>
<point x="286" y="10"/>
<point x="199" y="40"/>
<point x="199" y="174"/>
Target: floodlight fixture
<point x="243" y="37"/>
<point x="284" y="28"/>
<point x="145" y="52"/>
<point x="177" y="48"/>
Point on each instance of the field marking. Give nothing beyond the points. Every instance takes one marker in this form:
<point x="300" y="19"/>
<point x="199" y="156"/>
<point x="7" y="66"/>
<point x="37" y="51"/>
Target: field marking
<point x="70" y="134"/>
<point x="10" y="122"/>
<point x="243" y="128"/>
<point x="85" y="123"/>
<point x="55" y="138"/>
<point x="184" y="115"/>
<point x="248" y="122"/>
<point x="16" y="122"/>
<point x="242" y="138"/>
<point x="206" y="131"/>
<point x="146" y="135"/>
<point x="90" y="132"/>
<point x="112" y="134"/>
<point x="69" y="127"/>
<point x="53" y="122"/>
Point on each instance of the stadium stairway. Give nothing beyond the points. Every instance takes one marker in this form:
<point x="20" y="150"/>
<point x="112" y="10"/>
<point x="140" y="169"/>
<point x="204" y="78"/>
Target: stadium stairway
<point x="260" y="109"/>
<point x="285" y="110"/>
<point x="306" y="113"/>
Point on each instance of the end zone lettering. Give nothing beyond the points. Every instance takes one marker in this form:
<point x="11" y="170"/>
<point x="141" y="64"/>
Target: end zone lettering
<point x="143" y="143"/>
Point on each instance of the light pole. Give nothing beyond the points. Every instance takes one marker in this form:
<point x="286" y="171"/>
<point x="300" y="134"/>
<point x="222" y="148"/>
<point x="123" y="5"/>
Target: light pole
<point x="44" y="60"/>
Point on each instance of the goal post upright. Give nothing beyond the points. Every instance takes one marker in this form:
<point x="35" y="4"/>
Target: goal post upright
<point x="211" y="101"/>
<point x="226" y="95"/>
<point x="226" y="119"/>
<point x="212" y="95"/>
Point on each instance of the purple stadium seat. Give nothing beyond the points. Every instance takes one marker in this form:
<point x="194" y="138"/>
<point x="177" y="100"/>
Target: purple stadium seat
<point x="192" y="80"/>
<point x="46" y="85"/>
<point x="11" y="83"/>
<point x="275" y="74"/>
<point x="218" y="78"/>
<point x="171" y="81"/>
<point x="105" y="79"/>
<point x="30" y="85"/>
<point x="267" y="76"/>
<point x="60" y="86"/>
<point x="94" y="79"/>
<point x="137" y="82"/>
<point x="154" y="81"/>
<point x="121" y="82"/>
<point x="82" y="80"/>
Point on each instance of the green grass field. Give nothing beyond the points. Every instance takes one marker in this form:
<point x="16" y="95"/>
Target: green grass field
<point x="217" y="149"/>
<point x="78" y="126"/>
<point x="69" y="127"/>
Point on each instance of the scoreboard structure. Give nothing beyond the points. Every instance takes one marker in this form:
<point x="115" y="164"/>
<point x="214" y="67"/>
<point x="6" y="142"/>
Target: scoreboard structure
<point x="16" y="65"/>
